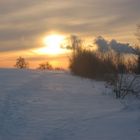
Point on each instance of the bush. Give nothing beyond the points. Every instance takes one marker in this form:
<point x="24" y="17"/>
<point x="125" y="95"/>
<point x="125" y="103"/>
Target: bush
<point x="137" y="68"/>
<point x="127" y="84"/>
<point x="45" y="66"/>
<point x="93" y="65"/>
<point x="21" y="63"/>
<point x="98" y="65"/>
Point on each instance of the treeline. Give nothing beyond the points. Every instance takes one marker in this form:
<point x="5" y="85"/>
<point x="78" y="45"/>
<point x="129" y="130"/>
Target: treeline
<point x="98" y="65"/>
<point x="123" y="74"/>
<point x="21" y="63"/>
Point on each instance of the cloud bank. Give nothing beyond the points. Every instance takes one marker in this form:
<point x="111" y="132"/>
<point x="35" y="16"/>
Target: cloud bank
<point x="104" y="45"/>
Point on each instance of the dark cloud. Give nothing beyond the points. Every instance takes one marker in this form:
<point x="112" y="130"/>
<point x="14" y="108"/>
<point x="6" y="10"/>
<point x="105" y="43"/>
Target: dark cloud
<point x="102" y="44"/>
<point x="121" y="47"/>
<point x="105" y="45"/>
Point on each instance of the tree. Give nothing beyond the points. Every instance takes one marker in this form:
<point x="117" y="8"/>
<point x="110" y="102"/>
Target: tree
<point x="21" y="63"/>
<point x="45" y="66"/>
<point x="138" y="32"/>
<point x="73" y="43"/>
<point x="138" y="67"/>
<point x="137" y="50"/>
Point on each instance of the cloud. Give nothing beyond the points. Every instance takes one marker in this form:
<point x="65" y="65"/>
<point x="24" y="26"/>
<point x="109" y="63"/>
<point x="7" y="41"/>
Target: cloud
<point x="105" y="45"/>
<point x="102" y="44"/>
<point x="121" y="47"/>
<point x="29" y="18"/>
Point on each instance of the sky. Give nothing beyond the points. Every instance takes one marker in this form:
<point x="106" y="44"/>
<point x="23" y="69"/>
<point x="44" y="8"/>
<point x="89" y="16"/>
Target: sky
<point x="23" y="24"/>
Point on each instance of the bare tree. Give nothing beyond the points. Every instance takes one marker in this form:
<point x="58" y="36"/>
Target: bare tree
<point x="127" y="84"/>
<point x="21" y="63"/>
<point x="45" y="66"/>
<point x="138" y="32"/>
<point x="137" y="50"/>
<point x="73" y="43"/>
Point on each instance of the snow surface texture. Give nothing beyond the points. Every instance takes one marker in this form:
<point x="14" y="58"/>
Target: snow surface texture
<point x="37" y="105"/>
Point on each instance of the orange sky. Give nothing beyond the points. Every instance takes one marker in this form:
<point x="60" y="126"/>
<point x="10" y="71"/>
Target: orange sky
<point x="8" y="59"/>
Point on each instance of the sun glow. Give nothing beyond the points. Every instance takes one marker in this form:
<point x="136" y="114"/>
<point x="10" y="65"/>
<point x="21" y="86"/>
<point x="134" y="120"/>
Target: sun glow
<point x="52" y="45"/>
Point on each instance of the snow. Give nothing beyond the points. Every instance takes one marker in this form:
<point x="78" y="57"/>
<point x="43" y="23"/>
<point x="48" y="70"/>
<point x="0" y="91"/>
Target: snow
<point x="36" y="105"/>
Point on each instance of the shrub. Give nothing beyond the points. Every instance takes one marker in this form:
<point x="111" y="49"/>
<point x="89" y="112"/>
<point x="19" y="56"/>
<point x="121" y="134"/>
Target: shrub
<point x="98" y="65"/>
<point x="127" y="84"/>
<point x="45" y="66"/>
<point x="92" y="65"/>
<point x="21" y="63"/>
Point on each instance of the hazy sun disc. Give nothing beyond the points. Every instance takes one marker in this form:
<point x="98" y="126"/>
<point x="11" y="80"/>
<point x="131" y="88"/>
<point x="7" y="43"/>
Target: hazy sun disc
<point x="52" y="45"/>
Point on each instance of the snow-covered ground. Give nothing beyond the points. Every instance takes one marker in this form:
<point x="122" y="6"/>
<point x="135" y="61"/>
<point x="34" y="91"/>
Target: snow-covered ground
<point x="37" y="105"/>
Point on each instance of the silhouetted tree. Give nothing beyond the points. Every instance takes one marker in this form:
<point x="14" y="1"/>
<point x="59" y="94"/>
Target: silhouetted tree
<point x="92" y="64"/>
<point x="21" y="63"/>
<point x="59" y="69"/>
<point x="45" y="66"/>
<point x="138" y="32"/>
<point x="73" y="43"/>
<point x="138" y="68"/>
<point x="138" y="50"/>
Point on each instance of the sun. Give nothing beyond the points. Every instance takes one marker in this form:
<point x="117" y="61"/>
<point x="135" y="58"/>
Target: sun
<point x="52" y="44"/>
